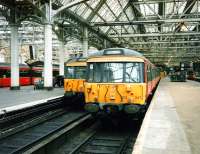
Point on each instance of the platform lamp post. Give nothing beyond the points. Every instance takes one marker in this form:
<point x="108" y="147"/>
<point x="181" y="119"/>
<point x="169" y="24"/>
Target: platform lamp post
<point x="48" y="72"/>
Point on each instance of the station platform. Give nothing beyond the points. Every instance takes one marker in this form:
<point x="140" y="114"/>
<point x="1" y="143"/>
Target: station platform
<point x="171" y="124"/>
<point x="25" y="97"/>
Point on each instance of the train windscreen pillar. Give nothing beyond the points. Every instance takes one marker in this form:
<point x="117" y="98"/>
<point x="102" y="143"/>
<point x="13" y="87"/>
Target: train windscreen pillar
<point x="14" y="43"/>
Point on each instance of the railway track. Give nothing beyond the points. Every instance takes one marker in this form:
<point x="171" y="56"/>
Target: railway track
<point x="32" y="139"/>
<point x="15" y="121"/>
<point x="101" y="142"/>
<point x="102" y="138"/>
<point x="8" y="118"/>
<point x="64" y="131"/>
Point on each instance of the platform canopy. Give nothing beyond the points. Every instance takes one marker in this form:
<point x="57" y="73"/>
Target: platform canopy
<point x="165" y="31"/>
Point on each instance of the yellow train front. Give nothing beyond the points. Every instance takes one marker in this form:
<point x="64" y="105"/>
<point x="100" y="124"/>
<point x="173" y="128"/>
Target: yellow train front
<point x="119" y="79"/>
<point x="75" y="73"/>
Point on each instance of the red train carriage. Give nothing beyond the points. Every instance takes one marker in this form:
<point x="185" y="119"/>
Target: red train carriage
<point x="27" y="75"/>
<point x="5" y="74"/>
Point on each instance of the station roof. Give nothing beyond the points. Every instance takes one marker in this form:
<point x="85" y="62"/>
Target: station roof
<point x="165" y="31"/>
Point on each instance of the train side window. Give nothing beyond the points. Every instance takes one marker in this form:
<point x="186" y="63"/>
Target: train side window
<point x="149" y="73"/>
<point x="7" y="73"/>
<point x="24" y="73"/>
<point x="153" y="73"/>
<point x="1" y="73"/>
<point x="37" y="73"/>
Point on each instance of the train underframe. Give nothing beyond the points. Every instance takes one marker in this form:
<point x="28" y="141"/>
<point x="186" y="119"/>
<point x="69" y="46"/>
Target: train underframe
<point x="111" y="108"/>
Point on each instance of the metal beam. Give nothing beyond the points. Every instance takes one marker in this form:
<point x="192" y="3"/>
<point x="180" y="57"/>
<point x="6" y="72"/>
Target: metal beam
<point x="182" y="47"/>
<point x="155" y="1"/>
<point x="141" y="22"/>
<point x="64" y="7"/>
<point x="154" y="34"/>
<point x="165" y="42"/>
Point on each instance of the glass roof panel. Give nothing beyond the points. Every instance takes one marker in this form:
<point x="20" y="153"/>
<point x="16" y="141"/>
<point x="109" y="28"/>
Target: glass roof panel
<point x="106" y="13"/>
<point x="81" y="9"/>
<point x="123" y="17"/>
<point x="115" y="6"/>
<point x="97" y="19"/>
<point x="149" y="9"/>
<point x="86" y="13"/>
<point x="93" y="3"/>
<point x="75" y="8"/>
<point x="129" y="13"/>
<point x="175" y="7"/>
<point x="195" y="8"/>
<point x="104" y="28"/>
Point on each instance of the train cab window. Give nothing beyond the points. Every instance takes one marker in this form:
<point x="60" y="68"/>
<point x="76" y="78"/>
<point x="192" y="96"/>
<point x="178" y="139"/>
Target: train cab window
<point x="75" y="72"/>
<point x="69" y="72"/>
<point x="114" y="72"/>
<point x="94" y="72"/>
<point x="133" y="72"/>
<point x="80" y="72"/>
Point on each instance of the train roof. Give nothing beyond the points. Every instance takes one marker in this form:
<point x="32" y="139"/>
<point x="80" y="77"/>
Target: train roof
<point x="81" y="61"/>
<point x="116" y="51"/>
<point x="2" y="64"/>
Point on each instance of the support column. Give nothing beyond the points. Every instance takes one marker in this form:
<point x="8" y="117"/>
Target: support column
<point x="61" y="58"/>
<point x="48" y="71"/>
<point x="85" y="42"/>
<point x="48" y="74"/>
<point x="14" y="58"/>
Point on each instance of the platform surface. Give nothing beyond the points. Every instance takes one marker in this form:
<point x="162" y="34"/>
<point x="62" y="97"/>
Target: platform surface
<point x="171" y="124"/>
<point x="27" y="94"/>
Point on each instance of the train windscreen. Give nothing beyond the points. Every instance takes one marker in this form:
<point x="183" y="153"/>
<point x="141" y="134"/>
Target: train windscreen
<point x="75" y="72"/>
<point x="116" y="72"/>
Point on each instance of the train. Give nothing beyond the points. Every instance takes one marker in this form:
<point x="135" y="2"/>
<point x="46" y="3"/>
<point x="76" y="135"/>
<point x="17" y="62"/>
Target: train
<point x="75" y="75"/>
<point x="119" y="80"/>
<point x="28" y="75"/>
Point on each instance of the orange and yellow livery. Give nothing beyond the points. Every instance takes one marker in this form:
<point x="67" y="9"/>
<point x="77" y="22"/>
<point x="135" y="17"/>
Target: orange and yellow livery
<point x="119" y="79"/>
<point x="75" y="72"/>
